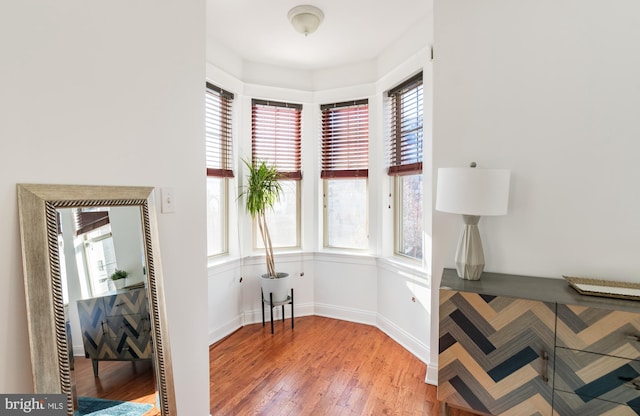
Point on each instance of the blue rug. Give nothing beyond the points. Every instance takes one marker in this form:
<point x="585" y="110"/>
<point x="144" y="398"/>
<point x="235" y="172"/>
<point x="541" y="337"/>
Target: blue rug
<point x="90" y="406"/>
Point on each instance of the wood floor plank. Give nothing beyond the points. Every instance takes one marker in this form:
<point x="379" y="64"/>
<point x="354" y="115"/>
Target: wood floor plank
<point x="322" y="367"/>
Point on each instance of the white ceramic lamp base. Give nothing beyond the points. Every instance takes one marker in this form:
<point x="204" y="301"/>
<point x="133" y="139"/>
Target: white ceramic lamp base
<point x="469" y="255"/>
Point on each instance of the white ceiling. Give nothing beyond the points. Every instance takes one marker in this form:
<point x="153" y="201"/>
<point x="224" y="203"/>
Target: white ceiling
<point x="352" y="31"/>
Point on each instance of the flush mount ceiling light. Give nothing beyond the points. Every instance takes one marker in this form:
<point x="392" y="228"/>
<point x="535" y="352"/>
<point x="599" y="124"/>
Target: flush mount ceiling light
<point x="305" y="19"/>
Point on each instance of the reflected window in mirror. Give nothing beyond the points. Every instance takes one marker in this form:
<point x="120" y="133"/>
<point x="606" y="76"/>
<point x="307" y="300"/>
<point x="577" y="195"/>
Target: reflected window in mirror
<point x="87" y="241"/>
<point x="63" y="263"/>
<point x="100" y="258"/>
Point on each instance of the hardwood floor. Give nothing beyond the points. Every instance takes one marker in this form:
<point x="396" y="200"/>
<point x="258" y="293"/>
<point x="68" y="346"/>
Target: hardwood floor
<point x="322" y="367"/>
<point x="118" y="380"/>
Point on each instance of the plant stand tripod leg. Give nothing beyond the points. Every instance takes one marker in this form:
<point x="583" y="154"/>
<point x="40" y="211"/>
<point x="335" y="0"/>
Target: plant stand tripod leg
<point x="262" y="302"/>
<point x="291" y="308"/>
<point x="271" y="308"/>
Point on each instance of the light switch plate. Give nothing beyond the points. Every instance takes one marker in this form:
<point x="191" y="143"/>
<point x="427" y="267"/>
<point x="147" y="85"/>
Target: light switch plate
<point x="168" y="200"/>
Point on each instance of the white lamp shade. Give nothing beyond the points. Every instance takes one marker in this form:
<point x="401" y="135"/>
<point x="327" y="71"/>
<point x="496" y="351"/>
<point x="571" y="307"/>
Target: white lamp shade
<point x="473" y="191"/>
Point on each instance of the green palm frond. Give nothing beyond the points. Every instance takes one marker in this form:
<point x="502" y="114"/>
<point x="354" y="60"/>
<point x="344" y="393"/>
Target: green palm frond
<point x="263" y="189"/>
<point x="261" y="192"/>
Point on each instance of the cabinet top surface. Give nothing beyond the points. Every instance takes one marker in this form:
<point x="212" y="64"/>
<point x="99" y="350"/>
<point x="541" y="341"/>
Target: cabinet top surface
<point x="123" y="291"/>
<point x="532" y="288"/>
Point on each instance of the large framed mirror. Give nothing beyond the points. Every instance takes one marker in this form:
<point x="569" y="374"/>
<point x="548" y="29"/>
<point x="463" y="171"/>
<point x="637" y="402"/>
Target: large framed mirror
<point x="86" y="334"/>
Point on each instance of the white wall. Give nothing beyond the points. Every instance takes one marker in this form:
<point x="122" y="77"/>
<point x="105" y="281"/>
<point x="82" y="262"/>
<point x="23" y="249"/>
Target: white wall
<point x="346" y="287"/>
<point x="108" y="93"/>
<point x="404" y="306"/>
<point x="224" y="300"/>
<point x="127" y="231"/>
<point x="551" y="91"/>
<point x="76" y="282"/>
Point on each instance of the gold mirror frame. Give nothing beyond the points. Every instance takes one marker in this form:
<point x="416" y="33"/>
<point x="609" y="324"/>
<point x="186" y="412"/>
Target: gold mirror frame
<point x="43" y="285"/>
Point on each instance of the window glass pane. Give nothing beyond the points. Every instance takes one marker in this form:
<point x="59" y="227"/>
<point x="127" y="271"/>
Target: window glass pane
<point x="409" y="217"/>
<point x="283" y="219"/>
<point x="346" y="219"/>
<point x="101" y="259"/>
<point x="216" y="216"/>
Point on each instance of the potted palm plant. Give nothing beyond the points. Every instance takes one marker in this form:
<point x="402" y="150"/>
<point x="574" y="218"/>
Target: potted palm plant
<point x="261" y="192"/>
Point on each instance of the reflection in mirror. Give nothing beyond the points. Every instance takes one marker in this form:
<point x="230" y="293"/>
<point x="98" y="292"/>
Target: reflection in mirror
<point x="107" y="320"/>
<point x="103" y="342"/>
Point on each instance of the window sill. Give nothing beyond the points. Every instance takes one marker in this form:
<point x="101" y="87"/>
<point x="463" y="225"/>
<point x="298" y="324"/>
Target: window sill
<point x="220" y="260"/>
<point x="405" y="265"/>
<point x="393" y="263"/>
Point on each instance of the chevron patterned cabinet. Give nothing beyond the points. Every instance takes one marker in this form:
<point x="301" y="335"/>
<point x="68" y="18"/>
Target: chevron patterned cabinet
<point x="520" y="345"/>
<point x="598" y="361"/>
<point x="116" y="327"/>
<point x="496" y="353"/>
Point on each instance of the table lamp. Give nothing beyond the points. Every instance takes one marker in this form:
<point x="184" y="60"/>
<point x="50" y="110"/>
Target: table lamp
<point x="472" y="192"/>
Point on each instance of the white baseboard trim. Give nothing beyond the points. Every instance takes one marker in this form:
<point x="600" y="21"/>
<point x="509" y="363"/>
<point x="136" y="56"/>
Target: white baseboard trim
<point x="224" y="330"/>
<point x="405" y="339"/>
<point x="432" y="374"/>
<point x="78" y="350"/>
<point x="346" y="314"/>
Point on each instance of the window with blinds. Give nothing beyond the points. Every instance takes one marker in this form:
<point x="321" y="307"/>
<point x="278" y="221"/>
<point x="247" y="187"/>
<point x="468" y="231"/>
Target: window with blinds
<point x="89" y="219"/>
<point x="405" y="165"/>
<point x="405" y="144"/>
<point x="345" y="140"/>
<point x="219" y="156"/>
<point x="276" y="136"/>
<point x="219" y="142"/>
<point x="345" y="171"/>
